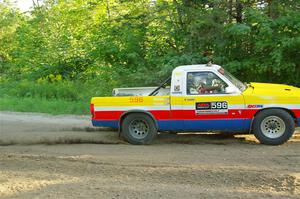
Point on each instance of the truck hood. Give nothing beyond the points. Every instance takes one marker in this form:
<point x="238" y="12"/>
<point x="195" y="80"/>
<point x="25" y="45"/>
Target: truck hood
<point x="274" y="89"/>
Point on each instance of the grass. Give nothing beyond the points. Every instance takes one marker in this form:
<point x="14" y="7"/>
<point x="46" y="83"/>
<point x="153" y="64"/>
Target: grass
<point x="63" y="97"/>
<point x="52" y="106"/>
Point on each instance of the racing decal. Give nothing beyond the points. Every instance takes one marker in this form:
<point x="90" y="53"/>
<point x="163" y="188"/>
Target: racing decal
<point x="255" y="106"/>
<point x="177" y="88"/>
<point x="177" y="92"/>
<point x="219" y="107"/>
<point x="189" y="99"/>
<point x="136" y="100"/>
<point x="161" y="101"/>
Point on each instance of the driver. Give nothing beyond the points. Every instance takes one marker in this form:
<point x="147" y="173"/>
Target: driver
<point x="204" y="84"/>
<point x="212" y="84"/>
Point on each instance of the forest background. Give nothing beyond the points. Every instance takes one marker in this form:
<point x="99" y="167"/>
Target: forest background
<point x="59" y="54"/>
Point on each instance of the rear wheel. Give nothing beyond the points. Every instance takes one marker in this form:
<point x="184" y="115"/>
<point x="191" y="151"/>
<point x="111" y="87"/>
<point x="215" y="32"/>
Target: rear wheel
<point x="138" y="128"/>
<point x="273" y="126"/>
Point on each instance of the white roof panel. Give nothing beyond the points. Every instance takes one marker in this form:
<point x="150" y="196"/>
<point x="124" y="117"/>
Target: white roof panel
<point x="198" y="67"/>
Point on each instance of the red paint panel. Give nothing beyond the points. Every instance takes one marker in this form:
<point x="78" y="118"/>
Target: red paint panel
<point x="115" y="115"/>
<point x="161" y="115"/>
<point x="176" y="115"/>
<point x="108" y="115"/>
<point x="296" y="112"/>
<point x="190" y="115"/>
<point x="186" y="114"/>
<point x="249" y="113"/>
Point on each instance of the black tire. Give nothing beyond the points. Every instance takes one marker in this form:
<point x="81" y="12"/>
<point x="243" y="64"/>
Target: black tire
<point x="261" y="127"/>
<point x="136" y="136"/>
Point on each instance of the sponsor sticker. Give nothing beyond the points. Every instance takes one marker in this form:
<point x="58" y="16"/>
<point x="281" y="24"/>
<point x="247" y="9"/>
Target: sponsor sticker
<point x="211" y="108"/>
<point x="177" y="88"/>
<point x="255" y="106"/>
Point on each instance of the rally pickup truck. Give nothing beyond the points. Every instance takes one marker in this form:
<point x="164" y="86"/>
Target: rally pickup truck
<point x="201" y="98"/>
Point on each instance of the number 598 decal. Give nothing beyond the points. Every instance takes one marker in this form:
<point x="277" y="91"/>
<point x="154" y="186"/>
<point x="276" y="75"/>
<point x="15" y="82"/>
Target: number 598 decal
<point x="211" y="108"/>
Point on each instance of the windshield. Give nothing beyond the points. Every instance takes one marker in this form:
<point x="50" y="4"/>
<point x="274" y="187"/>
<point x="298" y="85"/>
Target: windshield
<point x="233" y="79"/>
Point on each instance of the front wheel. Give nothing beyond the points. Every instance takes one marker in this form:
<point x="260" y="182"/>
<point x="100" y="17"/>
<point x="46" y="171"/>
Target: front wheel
<point x="273" y="126"/>
<point x="138" y="128"/>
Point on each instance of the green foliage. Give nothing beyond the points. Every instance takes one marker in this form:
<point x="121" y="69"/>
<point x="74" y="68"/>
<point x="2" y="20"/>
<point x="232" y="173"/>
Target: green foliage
<point x="52" y="106"/>
<point x="63" y="97"/>
<point x="9" y="22"/>
<point x="124" y="42"/>
<point x="62" y="90"/>
<point x="76" y="49"/>
<point x="264" y="49"/>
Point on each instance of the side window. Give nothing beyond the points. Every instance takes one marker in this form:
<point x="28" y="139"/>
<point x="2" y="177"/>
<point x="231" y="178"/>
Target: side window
<point x="201" y="83"/>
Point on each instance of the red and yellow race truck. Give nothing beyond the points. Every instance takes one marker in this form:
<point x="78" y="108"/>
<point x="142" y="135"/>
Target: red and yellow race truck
<point x="201" y="98"/>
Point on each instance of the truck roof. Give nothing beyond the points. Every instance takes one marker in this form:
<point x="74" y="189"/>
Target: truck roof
<point x="198" y="67"/>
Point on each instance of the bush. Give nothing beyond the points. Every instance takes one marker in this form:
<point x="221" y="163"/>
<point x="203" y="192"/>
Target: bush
<point x="63" y="90"/>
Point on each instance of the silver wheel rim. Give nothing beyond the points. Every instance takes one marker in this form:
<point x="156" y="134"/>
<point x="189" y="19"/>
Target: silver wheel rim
<point x="272" y="127"/>
<point x="138" y="129"/>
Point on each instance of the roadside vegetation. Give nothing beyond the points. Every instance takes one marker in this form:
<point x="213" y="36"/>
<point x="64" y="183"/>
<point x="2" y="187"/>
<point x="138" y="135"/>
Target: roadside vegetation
<point x="55" y="57"/>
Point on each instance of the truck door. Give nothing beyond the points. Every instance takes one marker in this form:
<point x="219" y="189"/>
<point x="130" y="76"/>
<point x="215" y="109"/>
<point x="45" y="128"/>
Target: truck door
<point x="175" y="122"/>
<point x="206" y="105"/>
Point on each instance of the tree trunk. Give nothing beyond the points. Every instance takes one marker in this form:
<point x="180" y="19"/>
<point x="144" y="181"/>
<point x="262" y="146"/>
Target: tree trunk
<point x="239" y="11"/>
<point x="229" y="11"/>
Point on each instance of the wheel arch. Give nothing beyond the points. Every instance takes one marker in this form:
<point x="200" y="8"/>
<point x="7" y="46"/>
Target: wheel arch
<point x="268" y="108"/>
<point x="136" y="111"/>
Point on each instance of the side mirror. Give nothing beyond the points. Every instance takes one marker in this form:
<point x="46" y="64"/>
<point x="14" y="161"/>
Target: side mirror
<point x="230" y="90"/>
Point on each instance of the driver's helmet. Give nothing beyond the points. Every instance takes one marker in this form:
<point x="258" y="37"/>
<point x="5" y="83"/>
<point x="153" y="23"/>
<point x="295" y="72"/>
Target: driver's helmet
<point x="210" y="76"/>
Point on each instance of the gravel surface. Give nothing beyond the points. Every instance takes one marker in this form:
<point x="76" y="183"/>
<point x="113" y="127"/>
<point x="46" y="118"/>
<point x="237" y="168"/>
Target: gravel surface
<point x="44" y="156"/>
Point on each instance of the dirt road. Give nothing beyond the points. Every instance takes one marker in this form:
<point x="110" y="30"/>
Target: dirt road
<point x="44" y="156"/>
